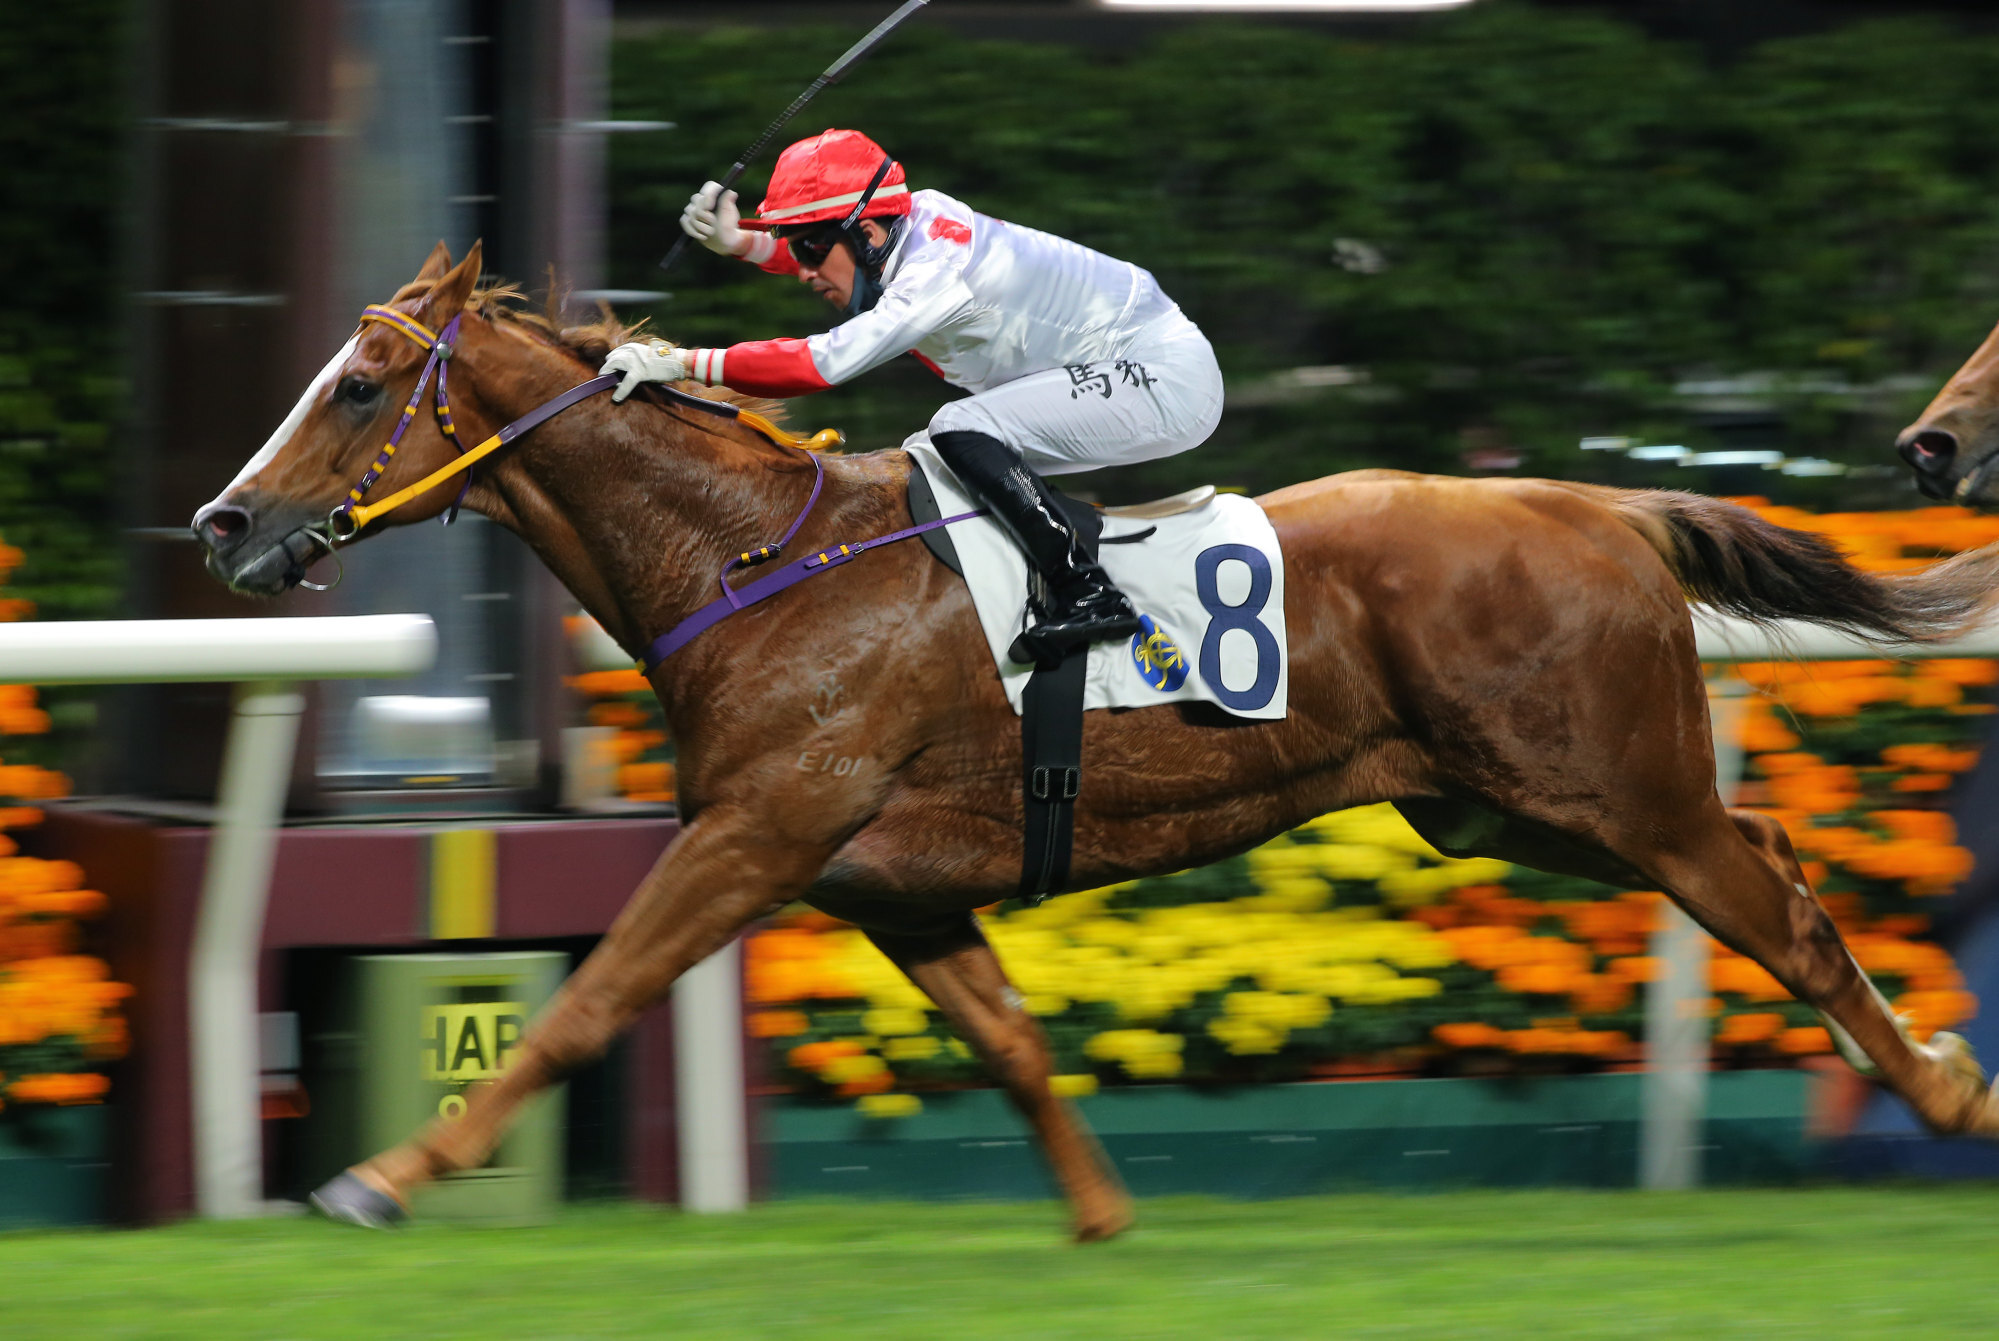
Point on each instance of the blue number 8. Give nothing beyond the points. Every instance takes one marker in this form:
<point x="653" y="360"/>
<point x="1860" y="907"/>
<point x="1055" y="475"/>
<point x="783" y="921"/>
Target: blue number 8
<point x="1222" y="618"/>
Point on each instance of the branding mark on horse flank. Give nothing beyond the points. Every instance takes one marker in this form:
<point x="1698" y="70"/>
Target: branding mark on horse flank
<point x="828" y="699"/>
<point x="838" y="765"/>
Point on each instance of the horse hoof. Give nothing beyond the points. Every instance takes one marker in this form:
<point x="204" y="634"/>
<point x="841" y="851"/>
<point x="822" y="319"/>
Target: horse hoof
<point x="1103" y="1228"/>
<point x="348" y="1200"/>
<point x="1956" y="1055"/>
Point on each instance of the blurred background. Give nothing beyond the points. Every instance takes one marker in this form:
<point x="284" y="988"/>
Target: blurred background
<point x="1722" y="245"/>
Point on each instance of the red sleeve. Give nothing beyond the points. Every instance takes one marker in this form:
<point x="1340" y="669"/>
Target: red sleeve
<point x="772" y="368"/>
<point x="781" y="261"/>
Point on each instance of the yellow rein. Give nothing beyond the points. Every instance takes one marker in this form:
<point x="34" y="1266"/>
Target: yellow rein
<point x="362" y="513"/>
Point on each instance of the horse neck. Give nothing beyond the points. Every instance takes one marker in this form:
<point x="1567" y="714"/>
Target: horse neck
<point x="634" y="508"/>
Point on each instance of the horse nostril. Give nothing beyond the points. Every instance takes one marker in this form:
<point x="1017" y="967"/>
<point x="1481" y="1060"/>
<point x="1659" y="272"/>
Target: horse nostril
<point x="1931" y="450"/>
<point x="221" y="527"/>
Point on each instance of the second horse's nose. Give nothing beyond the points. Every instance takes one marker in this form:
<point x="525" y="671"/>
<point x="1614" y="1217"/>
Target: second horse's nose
<point x="1929" y="450"/>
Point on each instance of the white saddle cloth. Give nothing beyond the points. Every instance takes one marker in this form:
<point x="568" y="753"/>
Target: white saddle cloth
<point x="1211" y="580"/>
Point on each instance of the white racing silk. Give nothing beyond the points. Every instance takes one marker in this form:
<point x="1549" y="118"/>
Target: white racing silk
<point x="985" y="301"/>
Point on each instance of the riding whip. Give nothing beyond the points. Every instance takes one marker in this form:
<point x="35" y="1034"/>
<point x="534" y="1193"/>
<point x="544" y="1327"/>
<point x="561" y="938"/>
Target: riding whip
<point x="832" y="76"/>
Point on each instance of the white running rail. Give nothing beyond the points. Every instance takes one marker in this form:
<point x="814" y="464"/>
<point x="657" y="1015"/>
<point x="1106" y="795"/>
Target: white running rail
<point x="263" y="657"/>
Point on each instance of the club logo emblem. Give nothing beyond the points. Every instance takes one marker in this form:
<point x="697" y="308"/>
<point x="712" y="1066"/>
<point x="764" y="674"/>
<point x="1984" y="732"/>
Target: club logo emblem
<point x="1158" y="658"/>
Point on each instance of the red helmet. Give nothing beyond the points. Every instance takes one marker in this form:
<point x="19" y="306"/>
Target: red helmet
<point x="820" y="179"/>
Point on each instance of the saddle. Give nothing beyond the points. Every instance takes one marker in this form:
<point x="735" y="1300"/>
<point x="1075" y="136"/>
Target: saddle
<point x="1051" y="717"/>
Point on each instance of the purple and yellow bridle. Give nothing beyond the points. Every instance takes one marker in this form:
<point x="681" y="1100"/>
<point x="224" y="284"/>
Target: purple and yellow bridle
<point x="353" y="512"/>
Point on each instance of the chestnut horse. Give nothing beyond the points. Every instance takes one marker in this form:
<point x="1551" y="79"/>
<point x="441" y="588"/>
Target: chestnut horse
<point x="1511" y="662"/>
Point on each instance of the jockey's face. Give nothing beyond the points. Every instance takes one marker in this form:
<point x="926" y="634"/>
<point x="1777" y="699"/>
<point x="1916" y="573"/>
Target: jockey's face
<point x="833" y="278"/>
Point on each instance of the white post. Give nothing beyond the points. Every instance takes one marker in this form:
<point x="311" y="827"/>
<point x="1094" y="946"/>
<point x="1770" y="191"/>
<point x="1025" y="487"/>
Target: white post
<point x="708" y="1095"/>
<point x="1676" y="1024"/>
<point x="222" y="973"/>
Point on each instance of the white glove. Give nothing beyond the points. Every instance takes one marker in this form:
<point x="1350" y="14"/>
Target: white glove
<point x="645" y="361"/>
<point x="711" y="218"/>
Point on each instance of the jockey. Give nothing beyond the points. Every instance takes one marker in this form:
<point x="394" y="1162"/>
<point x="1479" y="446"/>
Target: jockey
<point x="1074" y="360"/>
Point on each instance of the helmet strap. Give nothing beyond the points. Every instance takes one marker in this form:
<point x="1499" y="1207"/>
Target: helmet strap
<point x="868" y="258"/>
<point x="874" y="185"/>
<point x="868" y="263"/>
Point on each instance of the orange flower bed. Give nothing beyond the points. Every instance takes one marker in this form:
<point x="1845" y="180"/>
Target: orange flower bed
<point x="638" y="746"/>
<point x="61" y="1014"/>
<point x="1857" y="805"/>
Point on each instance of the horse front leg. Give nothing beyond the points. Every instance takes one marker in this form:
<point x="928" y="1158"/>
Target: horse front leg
<point x="724" y="871"/>
<point x="957" y="969"/>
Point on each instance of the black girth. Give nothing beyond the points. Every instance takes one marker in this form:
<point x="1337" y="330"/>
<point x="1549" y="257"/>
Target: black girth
<point x="1051" y="718"/>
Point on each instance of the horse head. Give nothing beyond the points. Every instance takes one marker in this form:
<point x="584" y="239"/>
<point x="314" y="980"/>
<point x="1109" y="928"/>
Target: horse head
<point x="1954" y="444"/>
<point x="267" y="526"/>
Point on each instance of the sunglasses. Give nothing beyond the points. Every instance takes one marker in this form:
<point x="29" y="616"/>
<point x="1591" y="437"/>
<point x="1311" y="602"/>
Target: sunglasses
<point x="811" y="246"/>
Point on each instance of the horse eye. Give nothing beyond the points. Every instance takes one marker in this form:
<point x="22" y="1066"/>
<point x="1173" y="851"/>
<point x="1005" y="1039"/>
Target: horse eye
<point x="356" y="391"/>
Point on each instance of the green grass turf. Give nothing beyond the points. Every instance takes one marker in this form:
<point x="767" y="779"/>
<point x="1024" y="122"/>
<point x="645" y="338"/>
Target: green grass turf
<point x="1819" y="1263"/>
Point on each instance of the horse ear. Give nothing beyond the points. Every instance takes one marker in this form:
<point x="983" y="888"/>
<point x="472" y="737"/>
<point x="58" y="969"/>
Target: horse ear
<point x="437" y="264"/>
<point x="447" y="297"/>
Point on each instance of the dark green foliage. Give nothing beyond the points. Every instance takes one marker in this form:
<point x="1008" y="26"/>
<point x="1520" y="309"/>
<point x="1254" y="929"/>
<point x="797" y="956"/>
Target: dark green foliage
<point x="62" y="130"/>
<point x="1574" y="219"/>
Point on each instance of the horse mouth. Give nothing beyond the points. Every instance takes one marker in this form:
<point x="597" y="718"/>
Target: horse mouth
<point x="256" y="551"/>
<point x="1977" y="488"/>
<point x="272" y="572"/>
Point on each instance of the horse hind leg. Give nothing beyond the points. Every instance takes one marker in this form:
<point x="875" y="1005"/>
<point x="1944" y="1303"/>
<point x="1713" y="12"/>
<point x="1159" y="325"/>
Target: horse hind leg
<point x="958" y="970"/>
<point x="1737" y="876"/>
<point x="1950" y="1050"/>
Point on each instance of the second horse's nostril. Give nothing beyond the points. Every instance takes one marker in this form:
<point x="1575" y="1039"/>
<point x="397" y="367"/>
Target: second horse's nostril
<point x="1932" y="449"/>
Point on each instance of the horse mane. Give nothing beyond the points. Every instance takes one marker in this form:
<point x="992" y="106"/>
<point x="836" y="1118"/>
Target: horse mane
<point x="587" y="343"/>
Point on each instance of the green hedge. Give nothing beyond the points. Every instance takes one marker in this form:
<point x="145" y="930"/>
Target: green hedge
<point x="1574" y="216"/>
<point x="63" y="334"/>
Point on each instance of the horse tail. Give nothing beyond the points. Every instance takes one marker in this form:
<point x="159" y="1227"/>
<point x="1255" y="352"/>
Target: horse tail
<point x="1730" y="559"/>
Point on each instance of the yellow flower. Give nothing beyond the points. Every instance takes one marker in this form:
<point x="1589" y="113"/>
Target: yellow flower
<point x="888" y="1105"/>
<point x="1154" y="1066"/>
<point x="840" y="1070"/>
<point x="1246" y="1037"/>
<point x="917" y="1049"/>
<point x="894" y="1021"/>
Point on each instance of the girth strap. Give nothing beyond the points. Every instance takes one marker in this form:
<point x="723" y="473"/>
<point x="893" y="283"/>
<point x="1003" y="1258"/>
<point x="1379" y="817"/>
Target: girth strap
<point x="1051" y="748"/>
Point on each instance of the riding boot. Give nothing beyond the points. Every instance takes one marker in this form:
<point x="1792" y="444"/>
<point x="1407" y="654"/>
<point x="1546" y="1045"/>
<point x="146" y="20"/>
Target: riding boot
<point x="1082" y="605"/>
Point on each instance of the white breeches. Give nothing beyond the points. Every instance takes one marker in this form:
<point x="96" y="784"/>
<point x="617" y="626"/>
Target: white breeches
<point x="1164" y="396"/>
